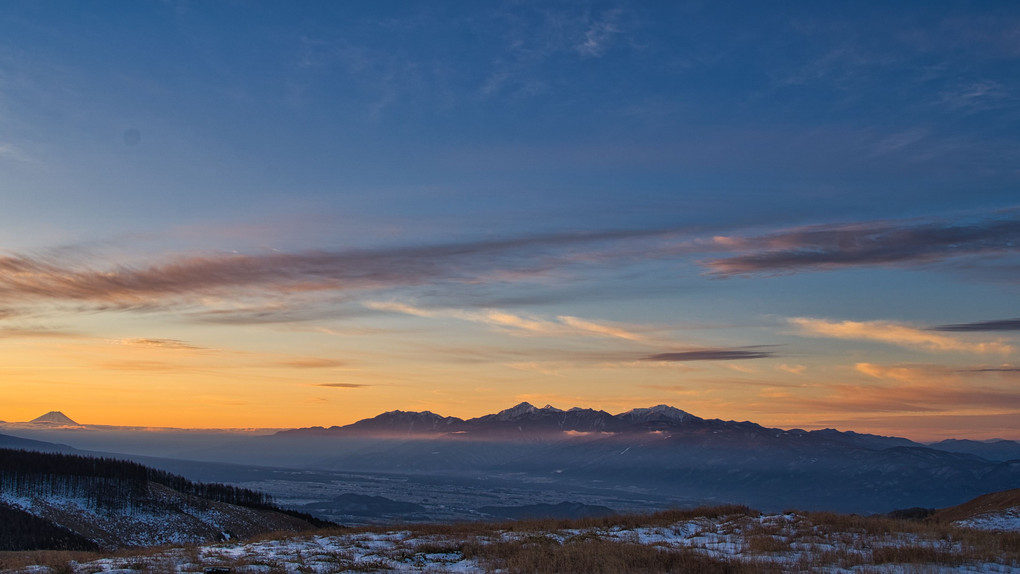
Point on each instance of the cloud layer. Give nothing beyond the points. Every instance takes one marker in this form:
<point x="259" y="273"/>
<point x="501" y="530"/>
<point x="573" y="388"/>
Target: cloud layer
<point x="184" y="279"/>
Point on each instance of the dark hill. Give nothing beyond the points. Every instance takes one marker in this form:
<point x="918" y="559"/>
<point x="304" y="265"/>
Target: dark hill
<point x="18" y="443"/>
<point x="114" y="503"/>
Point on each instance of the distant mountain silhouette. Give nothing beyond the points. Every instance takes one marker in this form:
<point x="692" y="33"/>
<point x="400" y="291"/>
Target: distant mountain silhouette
<point x="18" y="443"/>
<point x="55" y="418"/>
<point x="539" y="511"/>
<point x="363" y="505"/>
<point x="992" y="449"/>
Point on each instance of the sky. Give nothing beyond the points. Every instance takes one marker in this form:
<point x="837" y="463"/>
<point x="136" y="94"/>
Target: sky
<point x="287" y="214"/>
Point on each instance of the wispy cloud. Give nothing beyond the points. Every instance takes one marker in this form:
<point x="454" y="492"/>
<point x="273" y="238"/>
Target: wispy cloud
<point x="903" y="373"/>
<point x="865" y="244"/>
<point x="9" y="151"/>
<point x="159" y="343"/>
<point x="900" y="388"/>
<point x="342" y="385"/>
<point x="914" y="398"/>
<point x="523" y="324"/>
<point x="711" y="355"/>
<point x="793" y="369"/>
<point x="896" y="334"/>
<point x="602" y="329"/>
<point x="976" y="96"/>
<point x="147" y="366"/>
<point x="599" y="34"/>
<point x="22" y="332"/>
<point x="997" y="325"/>
<point x="184" y="279"/>
<point x="1002" y="369"/>
<point x="313" y="363"/>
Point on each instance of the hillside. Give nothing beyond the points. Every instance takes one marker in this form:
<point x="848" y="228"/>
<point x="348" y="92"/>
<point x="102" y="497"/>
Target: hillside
<point x="993" y="511"/>
<point x="726" y="539"/>
<point x="70" y="501"/>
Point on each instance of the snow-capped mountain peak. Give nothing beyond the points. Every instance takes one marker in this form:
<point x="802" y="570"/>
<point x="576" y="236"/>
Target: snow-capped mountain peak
<point x="55" y="418"/>
<point x="516" y="412"/>
<point x="658" y="413"/>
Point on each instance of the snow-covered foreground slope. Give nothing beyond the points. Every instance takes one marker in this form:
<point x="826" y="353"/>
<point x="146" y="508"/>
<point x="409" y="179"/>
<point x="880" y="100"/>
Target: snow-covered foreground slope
<point x="734" y="542"/>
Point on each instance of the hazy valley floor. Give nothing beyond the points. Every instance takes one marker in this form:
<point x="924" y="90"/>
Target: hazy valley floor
<point x="725" y="539"/>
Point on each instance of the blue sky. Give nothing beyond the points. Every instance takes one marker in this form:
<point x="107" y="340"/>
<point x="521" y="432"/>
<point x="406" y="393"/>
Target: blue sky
<point x="283" y="214"/>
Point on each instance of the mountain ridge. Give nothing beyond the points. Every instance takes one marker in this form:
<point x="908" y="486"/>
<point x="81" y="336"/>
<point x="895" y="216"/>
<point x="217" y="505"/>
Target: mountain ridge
<point x="524" y="419"/>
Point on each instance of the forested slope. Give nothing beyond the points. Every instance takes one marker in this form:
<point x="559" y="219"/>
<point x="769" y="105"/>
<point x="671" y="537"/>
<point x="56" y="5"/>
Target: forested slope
<point x="72" y="501"/>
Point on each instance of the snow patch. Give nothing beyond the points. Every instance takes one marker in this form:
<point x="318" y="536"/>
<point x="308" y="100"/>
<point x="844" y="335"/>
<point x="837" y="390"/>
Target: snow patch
<point x="1005" y="521"/>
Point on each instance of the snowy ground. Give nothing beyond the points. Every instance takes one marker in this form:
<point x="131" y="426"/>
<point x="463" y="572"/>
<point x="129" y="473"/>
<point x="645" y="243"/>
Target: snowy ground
<point x="788" y="540"/>
<point x="1005" y="521"/>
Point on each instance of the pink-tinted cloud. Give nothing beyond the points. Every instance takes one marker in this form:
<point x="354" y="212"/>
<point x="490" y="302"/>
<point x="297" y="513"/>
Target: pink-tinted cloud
<point x="313" y="363"/>
<point x="515" y="323"/>
<point x="160" y="343"/>
<point x="896" y="334"/>
<point x="910" y="397"/>
<point x="342" y="385"/>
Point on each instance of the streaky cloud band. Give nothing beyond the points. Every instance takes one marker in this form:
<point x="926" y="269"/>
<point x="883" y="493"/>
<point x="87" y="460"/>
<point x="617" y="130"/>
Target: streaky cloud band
<point x="997" y="325"/>
<point x="710" y="355"/>
<point x="866" y="244"/>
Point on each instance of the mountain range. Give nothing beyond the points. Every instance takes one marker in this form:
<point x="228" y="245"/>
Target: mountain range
<point x="521" y="420"/>
<point x="669" y="453"/>
<point x="525" y="421"/>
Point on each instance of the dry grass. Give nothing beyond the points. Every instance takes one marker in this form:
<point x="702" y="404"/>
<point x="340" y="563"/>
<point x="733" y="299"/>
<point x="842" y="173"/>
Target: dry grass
<point x="624" y="521"/>
<point x="882" y="540"/>
<point x="802" y="542"/>
<point x="766" y="544"/>
<point x="987" y="503"/>
<point x="598" y="556"/>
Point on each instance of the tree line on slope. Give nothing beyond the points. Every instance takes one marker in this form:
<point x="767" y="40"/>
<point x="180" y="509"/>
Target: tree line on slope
<point x="20" y="530"/>
<point x="107" y="483"/>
